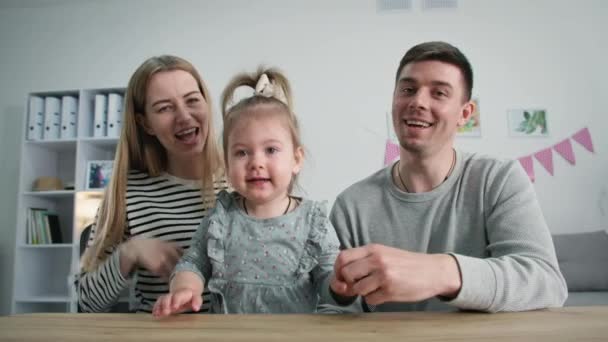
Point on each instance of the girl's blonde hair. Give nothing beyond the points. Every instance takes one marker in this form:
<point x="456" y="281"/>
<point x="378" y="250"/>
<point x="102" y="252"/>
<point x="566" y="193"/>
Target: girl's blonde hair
<point x="140" y="151"/>
<point x="279" y="103"/>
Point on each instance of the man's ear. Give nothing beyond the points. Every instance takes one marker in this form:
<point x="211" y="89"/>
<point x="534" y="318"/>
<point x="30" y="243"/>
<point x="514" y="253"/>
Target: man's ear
<point x="141" y="120"/>
<point x="465" y="114"/>
<point x="299" y="157"/>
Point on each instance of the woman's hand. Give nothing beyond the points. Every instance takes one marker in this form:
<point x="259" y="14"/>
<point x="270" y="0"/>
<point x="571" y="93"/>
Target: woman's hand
<point x="157" y="256"/>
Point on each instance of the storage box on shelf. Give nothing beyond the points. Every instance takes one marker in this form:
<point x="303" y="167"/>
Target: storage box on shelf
<point x="53" y="178"/>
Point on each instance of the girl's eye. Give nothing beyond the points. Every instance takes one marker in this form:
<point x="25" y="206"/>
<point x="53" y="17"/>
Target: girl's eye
<point x="240" y="153"/>
<point x="272" y="150"/>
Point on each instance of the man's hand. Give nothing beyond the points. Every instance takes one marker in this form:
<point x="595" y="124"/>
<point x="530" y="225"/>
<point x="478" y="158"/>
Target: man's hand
<point x="385" y="274"/>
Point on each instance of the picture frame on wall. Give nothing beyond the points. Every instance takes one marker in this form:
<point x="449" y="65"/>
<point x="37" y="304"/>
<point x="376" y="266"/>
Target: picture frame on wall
<point x="98" y="174"/>
<point x="473" y="126"/>
<point x="531" y="122"/>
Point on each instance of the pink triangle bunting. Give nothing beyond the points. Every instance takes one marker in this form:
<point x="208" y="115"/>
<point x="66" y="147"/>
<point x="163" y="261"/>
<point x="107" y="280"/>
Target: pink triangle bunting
<point x="564" y="148"/>
<point x="584" y="138"/>
<point x="528" y="166"/>
<point x="545" y="158"/>
<point x="391" y="152"/>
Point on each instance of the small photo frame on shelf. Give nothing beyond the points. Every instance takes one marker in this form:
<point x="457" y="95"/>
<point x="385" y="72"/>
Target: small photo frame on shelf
<point x="473" y="127"/>
<point x="528" y="122"/>
<point x="98" y="174"/>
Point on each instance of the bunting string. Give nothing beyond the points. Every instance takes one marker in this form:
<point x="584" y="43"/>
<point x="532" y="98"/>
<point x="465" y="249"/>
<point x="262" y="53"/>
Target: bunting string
<point x="563" y="148"/>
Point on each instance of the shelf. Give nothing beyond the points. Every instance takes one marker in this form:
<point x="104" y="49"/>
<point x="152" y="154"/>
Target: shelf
<point x="46" y="159"/>
<point x="93" y="192"/>
<point x="56" y="145"/>
<point x="44" y="299"/>
<point x="55" y="193"/>
<point x="60" y="203"/>
<point x="43" y="273"/>
<point x="73" y="92"/>
<point x="47" y="245"/>
<point x="101" y="142"/>
<point x="70" y="144"/>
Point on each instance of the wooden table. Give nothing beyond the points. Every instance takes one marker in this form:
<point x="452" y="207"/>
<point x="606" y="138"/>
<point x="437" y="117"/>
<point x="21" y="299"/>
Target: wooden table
<point x="567" y="324"/>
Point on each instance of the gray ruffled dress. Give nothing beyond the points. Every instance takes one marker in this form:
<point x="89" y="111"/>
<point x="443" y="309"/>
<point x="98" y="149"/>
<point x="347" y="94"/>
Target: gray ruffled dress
<point x="276" y="265"/>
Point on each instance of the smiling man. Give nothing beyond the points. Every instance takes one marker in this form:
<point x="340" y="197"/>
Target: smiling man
<point x="443" y="228"/>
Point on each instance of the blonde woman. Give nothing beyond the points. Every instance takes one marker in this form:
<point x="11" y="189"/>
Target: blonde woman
<point x="167" y="172"/>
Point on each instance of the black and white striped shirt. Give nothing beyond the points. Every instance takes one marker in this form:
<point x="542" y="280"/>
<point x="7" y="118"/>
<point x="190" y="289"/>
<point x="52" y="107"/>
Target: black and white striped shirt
<point x="164" y="207"/>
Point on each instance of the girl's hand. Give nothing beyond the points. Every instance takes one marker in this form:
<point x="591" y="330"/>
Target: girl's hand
<point x="340" y="287"/>
<point x="177" y="302"/>
<point x="338" y="284"/>
<point x="157" y="256"/>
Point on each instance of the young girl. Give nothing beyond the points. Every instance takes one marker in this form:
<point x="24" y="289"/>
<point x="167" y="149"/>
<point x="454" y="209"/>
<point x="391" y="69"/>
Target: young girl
<point x="261" y="250"/>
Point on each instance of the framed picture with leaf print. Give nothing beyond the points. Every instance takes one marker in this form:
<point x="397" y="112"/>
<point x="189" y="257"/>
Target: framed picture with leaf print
<point x="528" y="122"/>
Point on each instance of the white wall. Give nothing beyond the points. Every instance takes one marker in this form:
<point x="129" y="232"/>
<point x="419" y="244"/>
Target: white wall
<point x="341" y="57"/>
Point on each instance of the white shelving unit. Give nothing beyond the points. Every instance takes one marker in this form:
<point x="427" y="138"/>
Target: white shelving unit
<point x="43" y="272"/>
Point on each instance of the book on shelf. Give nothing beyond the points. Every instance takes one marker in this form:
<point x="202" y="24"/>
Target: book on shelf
<point x="52" y="220"/>
<point x="52" y="118"/>
<point x="43" y="227"/>
<point x="69" y="112"/>
<point x="114" y="114"/>
<point x="35" y="118"/>
<point x="100" y="116"/>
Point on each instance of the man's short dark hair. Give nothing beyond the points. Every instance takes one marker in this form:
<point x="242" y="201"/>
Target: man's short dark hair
<point x="442" y="52"/>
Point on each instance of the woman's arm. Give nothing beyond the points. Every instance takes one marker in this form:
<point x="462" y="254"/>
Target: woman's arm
<point x="99" y="290"/>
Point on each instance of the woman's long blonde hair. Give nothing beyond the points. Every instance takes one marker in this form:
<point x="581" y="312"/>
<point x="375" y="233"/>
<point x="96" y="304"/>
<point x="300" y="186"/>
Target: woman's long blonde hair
<point x="140" y="151"/>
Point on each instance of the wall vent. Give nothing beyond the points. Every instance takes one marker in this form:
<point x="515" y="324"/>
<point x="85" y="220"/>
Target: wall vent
<point x="393" y="5"/>
<point x="439" y="4"/>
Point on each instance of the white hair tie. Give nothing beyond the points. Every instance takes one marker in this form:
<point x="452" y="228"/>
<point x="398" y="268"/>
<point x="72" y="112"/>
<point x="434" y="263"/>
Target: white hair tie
<point x="268" y="89"/>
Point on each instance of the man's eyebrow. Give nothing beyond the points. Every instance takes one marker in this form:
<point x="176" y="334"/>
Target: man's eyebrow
<point x="407" y="80"/>
<point x="441" y="84"/>
<point x="434" y="83"/>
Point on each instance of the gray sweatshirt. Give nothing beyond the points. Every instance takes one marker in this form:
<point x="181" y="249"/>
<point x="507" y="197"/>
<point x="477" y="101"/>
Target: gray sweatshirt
<point x="485" y="214"/>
